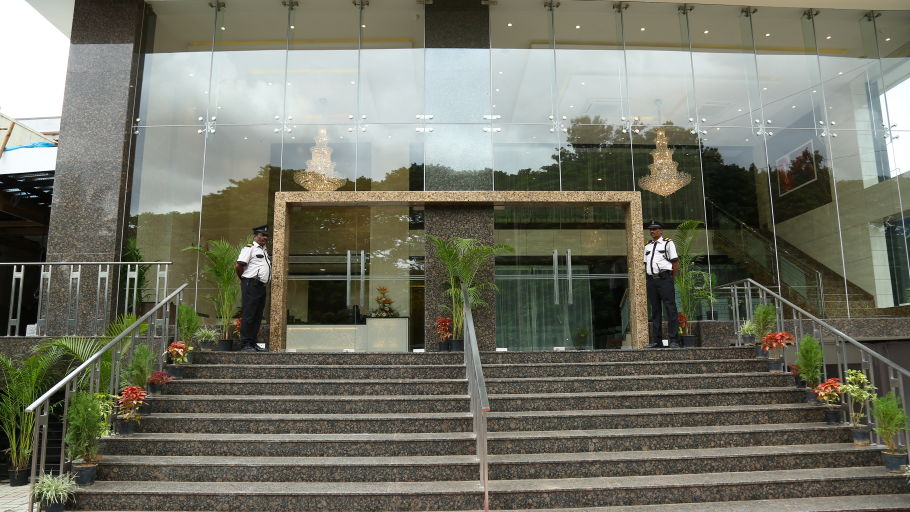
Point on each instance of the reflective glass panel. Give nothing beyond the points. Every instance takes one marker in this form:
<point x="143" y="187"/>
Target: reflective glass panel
<point x="458" y="157"/>
<point x="525" y="157"/>
<point x="457" y="85"/>
<point x="319" y="157"/>
<point x="596" y="157"/>
<point x="390" y="157"/>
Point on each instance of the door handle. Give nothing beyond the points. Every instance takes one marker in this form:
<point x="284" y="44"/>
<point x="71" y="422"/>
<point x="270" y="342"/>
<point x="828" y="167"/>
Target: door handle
<point x="363" y="265"/>
<point x="569" y="274"/>
<point x="347" y="282"/>
<point x="555" y="276"/>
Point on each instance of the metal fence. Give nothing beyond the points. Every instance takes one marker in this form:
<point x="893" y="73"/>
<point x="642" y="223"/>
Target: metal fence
<point x="70" y="298"/>
<point x="841" y="352"/>
<point x="477" y="389"/>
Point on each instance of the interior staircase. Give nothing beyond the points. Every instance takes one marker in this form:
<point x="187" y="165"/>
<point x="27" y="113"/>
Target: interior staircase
<point x="614" y="430"/>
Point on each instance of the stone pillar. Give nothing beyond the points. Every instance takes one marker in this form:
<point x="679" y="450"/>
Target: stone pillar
<point x="466" y="222"/>
<point x="457" y="24"/>
<point x="92" y="179"/>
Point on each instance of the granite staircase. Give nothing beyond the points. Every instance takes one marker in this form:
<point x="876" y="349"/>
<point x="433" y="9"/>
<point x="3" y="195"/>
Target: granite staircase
<point x="672" y="429"/>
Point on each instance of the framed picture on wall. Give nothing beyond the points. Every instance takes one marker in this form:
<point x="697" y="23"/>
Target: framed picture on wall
<point x="796" y="168"/>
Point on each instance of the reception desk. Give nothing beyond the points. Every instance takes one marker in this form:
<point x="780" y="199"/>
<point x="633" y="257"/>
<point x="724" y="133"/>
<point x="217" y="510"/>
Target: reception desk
<point x="378" y="335"/>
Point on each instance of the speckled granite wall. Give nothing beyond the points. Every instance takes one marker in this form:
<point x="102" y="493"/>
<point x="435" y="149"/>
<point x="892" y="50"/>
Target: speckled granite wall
<point x="474" y="221"/>
<point x="92" y="176"/>
<point x="457" y="24"/>
<point x="466" y="201"/>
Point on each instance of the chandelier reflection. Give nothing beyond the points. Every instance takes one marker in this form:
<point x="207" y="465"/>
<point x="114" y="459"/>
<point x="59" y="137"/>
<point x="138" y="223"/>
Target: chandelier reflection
<point x="664" y="179"/>
<point x="320" y="169"/>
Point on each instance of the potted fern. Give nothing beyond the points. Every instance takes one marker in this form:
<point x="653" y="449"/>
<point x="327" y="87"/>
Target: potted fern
<point x="220" y="273"/>
<point x="809" y="362"/>
<point x="86" y="420"/>
<point x="890" y="419"/>
<point x="54" y="491"/>
<point x="859" y="391"/>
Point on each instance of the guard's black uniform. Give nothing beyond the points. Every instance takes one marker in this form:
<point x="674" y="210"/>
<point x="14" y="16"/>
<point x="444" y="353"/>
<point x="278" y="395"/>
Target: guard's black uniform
<point x="659" y="257"/>
<point x="256" y="274"/>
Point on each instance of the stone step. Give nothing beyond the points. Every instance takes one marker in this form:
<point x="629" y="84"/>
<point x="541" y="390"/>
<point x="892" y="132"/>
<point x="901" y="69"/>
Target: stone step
<point x="292" y="445"/>
<point x="645" y="399"/>
<point x="865" y="503"/>
<point x="637" y="383"/>
<point x="289" y="469"/>
<point x="268" y="496"/>
<point x="700" y="487"/>
<point x="614" y="355"/>
<point x="672" y="462"/>
<point x="330" y="358"/>
<point x="664" y="438"/>
<point x="281" y="404"/>
<point x="269" y="371"/>
<point x="608" y="369"/>
<point x="318" y="387"/>
<point x="307" y="423"/>
<point x="651" y="418"/>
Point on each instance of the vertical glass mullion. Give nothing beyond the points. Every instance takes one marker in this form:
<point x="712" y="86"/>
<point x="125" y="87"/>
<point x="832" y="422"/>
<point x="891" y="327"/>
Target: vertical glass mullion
<point x="284" y="97"/>
<point x="361" y="126"/>
<point x="625" y="104"/>
<point x="553" y="85"/>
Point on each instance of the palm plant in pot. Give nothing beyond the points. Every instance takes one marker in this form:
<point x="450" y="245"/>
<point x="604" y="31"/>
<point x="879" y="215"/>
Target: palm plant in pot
<point x="86" y="421"/>
<point x="809" y="361"/>
<point x="774" y="345"/>
<point x="128" y="404"/>
<point x="20" y="385"/>
<point x="829" y="394"/>
<point x="693" y="286"/>
<point x="462" y="259"/>
<point x="859" y="391"/>
<point x="220" y="273"/>
<point x="890" y="419"/>
<point x="54" y="491"/>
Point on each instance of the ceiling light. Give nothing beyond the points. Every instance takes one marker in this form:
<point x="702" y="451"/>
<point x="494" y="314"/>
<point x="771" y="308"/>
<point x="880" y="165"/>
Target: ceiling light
<point x="764" y="88"/>
<point x="292" y="27"/>
<point x="887" y="39"/>
<point x="840" y="72"/>
<point x="497" y="90"/>
<point x="768" y="34"/>
<point x="577" y="27"/>
<point x="509" y="24"/>
<point x="222" y="27"/>
<point x="642" y="29"/>
<point x="582" y="83"/>
<point x="706" y="31"/>
<point x="828" y="37"/>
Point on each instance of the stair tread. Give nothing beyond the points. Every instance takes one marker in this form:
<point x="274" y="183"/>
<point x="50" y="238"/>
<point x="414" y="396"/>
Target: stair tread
<point x="308" y="398"/>
<point x="621" y="363"/>
<point x="281" y="488"/>
<point x="282" y="438"/>
<point x="355" y="366"/>
<point x="287" y="461"/>
<point x="325" y="381"/>
<point x="889" y="502"/>
<point x="661" y="392"/>
<point x="690" y="479"/>
<point x="631" y="456"/>
<point x="655" y="411"/>
<point x="302" y="417"/>
<point x="663" y="431"/>
<point x="627" y="377"/>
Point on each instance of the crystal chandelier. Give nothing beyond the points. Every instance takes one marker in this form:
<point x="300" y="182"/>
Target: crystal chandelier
<point x="664" y="179"/>
<point x="320" y="169"/>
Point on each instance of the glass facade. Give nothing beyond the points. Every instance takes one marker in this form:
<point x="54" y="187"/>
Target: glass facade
<point x="792" y="123"/>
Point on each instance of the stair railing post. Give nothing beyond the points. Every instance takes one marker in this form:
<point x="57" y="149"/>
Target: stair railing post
<point x="734" y="304"/>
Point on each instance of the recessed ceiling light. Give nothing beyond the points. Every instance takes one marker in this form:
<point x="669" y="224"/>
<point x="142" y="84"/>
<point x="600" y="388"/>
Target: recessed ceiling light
<point x="706" y="31"/>
<point x="739" y="110"/>
<point x="582" y="83"/>
<point x="887" y="39"/>
<point x="222" y="28"/>
<point x="828" y="37"/>
<point x="292" y="27"/>
<point x="577" y="26"/>
<point x="764" y="88"/>
<point x="497" y="90"/>
<point x="363" y="26"/>
<point x="768" y="34"/>
<point x="840" y="72"/>
<point x="792" y="106"/>
<point x="642" y="29"/>
<point x="508" y="24"/>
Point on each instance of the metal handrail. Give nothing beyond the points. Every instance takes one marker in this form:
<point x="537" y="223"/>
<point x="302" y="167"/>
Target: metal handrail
<point x="158" y="318"/>
<point x="896" y="374"/>
<point x="477" y="389"/>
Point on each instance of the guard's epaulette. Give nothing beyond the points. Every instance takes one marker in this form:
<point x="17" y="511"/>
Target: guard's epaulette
<point x="667" y="239"/>
<point x="249" y="245"/>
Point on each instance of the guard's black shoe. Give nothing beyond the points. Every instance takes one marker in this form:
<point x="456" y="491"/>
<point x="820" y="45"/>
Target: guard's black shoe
<point x="673" y="344"/>
<point x="247" y="348"/>
<point x="656" y="344"/>
<point x="257" y="348"/>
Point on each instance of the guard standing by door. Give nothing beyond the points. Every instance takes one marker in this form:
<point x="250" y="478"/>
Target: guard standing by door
<point x="661" y="265"/>
<point x="254" y="268"/>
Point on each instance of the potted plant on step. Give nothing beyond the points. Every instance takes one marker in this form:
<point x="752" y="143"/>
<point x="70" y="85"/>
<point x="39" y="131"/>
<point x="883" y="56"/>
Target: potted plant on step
<point x="187" y="322"/>
<point x="859" y="391"/>
<point x="693" y="286"/>
<point x="128" y="404"/>
<point x="774" y="345"/>
<point x="444" y="331"/>
<point x="220" y="273"/>
<point x="809" y="362"/>
<point x="157" y="382"/>
<point x="462" y="259"/>
<point x="178" y="354"/>
<point x="209" y="338"/>
<point x="86" y="421"/>
<point x="54" y="491"/>
<point x="139" y="368"/>
<point x="764" y="320"/>
<point x="829" y="394"/>
<point x="890" y="419"/>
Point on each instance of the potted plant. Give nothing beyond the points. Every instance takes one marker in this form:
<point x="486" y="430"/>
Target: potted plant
<point x="829" y="394"/>
<point x="859" y="391"/>
<point x="809" y="361"/>
<point x="890" y="419"/>
<point x="797" y="380"/>
<point x="444" y="331"/>
<point x="693" y="286"/>
<point x="774" y="344"/>
<point x="20" y="385"/>
<point x="220" y="273"/>
<point x="207" y="338"/>
<point x="187" y="321"/>
<point x="128" y="404"/>
<point x="137" y="371"/>
<point x="54" y="491"/>
<point x="462" y="259"/>
<point x="764" y="320"/>
<point x="86" y="421"/>
<point x="688" y="340"/>
<point x="384" y="308"/>
<point x="178" y="354"/>
<point x="157" y="381"/>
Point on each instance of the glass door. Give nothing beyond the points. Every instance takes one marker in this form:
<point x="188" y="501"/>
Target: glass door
<point x="565" y="284"/>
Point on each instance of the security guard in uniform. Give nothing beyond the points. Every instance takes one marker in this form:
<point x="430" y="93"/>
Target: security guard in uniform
<point x="254" y="268"/>
<point x="661" y="264"/>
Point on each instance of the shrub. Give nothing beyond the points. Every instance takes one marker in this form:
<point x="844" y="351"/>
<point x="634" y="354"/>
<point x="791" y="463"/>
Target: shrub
<point x="178" y="351"/>
<point x="206" y="335"/>
<point x="828" y="391"/>
<point x="810" y="360"/>
<point x="137" y="371"/>
<point x="86" y="421"/>
<point x="858" y="391"/>
<point x="765" y="320"/>
<point x="55" y="489"/>
<point x="890" y="419"/>
<point x="187" y="320"/>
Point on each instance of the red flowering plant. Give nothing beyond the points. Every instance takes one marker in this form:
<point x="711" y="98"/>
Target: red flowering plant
<point x="776" y="341"/>
<point x="237" y="323"/>
<point x="178" y="351"/>
<point x="829" y="391"/>
<point x="683" y="321"/>
<point x="159" y="378"/>
<point x="444" y="328"/>
<point x="129" y="401"/>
